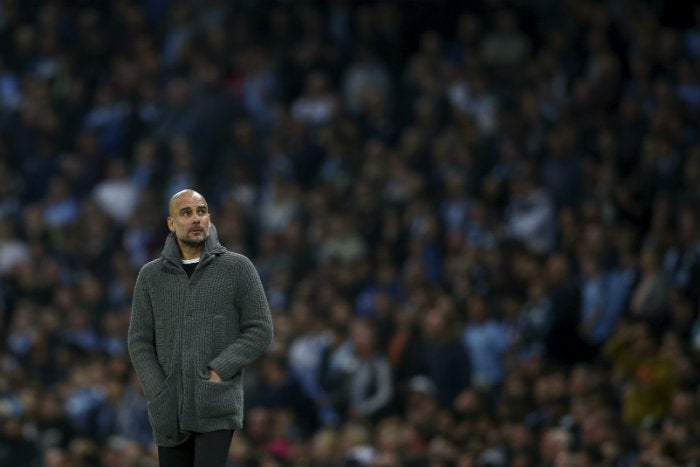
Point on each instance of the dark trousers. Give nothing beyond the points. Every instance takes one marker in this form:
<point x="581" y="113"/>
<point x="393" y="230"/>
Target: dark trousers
<point x="200" y="450"/>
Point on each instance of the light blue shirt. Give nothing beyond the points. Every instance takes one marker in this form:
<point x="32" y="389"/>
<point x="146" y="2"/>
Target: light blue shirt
<point x="486" y="343"/>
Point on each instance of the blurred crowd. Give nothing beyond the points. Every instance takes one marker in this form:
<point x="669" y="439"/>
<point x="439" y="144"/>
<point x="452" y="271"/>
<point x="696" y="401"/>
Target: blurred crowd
<point x="476" y="222"/>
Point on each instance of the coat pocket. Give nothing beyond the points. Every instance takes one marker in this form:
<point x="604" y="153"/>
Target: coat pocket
<point x="163" y="414"/>
<point x="219" y="400"/>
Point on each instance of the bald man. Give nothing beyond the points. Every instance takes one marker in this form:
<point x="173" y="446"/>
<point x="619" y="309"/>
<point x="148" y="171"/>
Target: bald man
<point x="199" y="317"/>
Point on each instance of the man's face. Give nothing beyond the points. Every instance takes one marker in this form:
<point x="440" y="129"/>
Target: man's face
<point x="189" y="218"/>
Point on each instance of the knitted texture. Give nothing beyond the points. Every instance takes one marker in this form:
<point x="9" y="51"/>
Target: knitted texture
<point x="182" y="327"/>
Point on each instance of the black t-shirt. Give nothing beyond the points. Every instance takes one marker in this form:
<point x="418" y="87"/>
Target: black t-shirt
<point x="189" y="268"/>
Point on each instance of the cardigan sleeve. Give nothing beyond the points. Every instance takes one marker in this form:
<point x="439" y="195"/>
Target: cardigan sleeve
<point x="141" y="340"/>
<point x="255" y="323"/>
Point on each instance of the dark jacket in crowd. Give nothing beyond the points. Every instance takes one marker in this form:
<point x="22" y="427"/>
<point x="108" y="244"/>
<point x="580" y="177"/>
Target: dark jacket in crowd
<point x="182" y="327"/>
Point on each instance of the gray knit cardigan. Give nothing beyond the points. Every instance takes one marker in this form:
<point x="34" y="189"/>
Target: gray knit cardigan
<point x="183" y="326"/>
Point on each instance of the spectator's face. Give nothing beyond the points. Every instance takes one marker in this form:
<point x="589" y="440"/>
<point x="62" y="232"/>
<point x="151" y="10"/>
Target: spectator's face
<point x="557" y="268"/>
<point x="363" y="336"/>
<point x="178" y="93"/>
<point x="477" y="310"/>
<point x="434" y="324"/>
<point x="649" y="260"/>
<point x="189" y="218"/>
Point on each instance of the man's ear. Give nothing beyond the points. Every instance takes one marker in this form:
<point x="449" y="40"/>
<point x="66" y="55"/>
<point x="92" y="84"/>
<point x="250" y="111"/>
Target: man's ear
<point x="171" y="227"/>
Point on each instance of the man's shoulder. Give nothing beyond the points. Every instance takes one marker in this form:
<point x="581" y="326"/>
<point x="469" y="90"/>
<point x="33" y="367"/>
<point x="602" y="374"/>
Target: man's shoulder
<point x="234" y="258"/>
<point x="236" y="263"/>
<point x="151" y="266"/>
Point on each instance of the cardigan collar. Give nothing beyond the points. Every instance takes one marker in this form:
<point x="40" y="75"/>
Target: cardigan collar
<point x="171" y="250"/>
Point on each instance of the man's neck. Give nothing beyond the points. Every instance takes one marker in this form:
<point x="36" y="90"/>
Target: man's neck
<point x="190" y="252"/>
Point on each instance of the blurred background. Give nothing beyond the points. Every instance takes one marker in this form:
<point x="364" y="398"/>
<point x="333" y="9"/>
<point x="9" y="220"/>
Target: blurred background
<point x="476" y="223"/>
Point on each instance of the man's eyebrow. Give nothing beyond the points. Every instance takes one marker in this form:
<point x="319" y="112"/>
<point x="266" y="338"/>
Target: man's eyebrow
<point x="188" y="208"/>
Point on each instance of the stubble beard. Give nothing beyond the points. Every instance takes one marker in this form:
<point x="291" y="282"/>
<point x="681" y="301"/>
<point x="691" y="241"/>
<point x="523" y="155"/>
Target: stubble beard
<point x="194" y="243"/>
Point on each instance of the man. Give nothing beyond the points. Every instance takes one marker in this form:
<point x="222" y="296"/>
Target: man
<point x="199" y="316"/>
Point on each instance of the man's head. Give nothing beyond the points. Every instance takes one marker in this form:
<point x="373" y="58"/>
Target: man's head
<point x="188" y="217"/>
